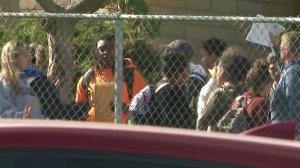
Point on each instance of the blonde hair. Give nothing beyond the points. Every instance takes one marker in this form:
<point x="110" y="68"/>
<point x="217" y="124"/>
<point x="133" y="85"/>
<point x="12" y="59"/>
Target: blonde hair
<point x="292" y="41"/>
<point x="38" y="56"/>
<point x="9" y="68"/>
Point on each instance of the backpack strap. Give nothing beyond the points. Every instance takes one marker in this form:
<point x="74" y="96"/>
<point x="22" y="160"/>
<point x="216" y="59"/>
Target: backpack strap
<point x="86" y="78"/>
<point x="199" y="76"/>
<point x="129" y="80"/>
<point x="243" y="101"/>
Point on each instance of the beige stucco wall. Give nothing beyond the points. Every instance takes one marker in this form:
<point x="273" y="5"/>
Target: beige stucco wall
<point x="221" y="7"/>
<point x="233" y="32"/>
<point x="195" y="7"/>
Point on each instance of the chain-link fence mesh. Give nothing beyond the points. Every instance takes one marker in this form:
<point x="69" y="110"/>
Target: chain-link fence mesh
<point x="178" y="58"/>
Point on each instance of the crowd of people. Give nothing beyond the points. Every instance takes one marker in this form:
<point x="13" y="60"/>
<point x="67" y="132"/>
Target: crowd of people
<point x="189" y="95"/>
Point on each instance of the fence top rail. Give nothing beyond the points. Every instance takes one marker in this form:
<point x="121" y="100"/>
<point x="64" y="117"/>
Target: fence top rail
<point x="115" y="16"/>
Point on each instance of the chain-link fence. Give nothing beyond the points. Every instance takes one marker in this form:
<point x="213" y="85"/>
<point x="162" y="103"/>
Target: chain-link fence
<point x="178" y="58"/>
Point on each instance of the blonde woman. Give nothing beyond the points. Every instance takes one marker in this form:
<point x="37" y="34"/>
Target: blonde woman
<point x="17" y="100"/>
<point x="38" y="55"/>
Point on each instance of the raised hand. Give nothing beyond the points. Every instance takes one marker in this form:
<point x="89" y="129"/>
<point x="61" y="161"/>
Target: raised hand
<point x="57" y="83"/>
<point x="213" y="72"/>
<point x="275" y="38"/>
<point x="27" y="112"/>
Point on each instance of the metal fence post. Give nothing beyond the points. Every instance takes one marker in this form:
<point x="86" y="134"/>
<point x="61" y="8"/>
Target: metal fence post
<point x="118" y="69"/>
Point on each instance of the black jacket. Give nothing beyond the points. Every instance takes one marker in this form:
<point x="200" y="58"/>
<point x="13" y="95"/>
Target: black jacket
<point x="52" y="107"/>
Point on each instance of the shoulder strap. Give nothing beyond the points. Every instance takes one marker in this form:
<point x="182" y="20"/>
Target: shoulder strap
<point x="129" y="80"/>
<point x="30" y="79"/>
<point x="86" y="78"/>
<point x="154" y="88"/>
<point x="198" y="76"/>
<point x="245" y="101"/>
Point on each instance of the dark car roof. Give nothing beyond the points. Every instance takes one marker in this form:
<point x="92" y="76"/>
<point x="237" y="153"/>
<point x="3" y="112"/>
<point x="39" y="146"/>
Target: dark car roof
<point x="189" y="144"/>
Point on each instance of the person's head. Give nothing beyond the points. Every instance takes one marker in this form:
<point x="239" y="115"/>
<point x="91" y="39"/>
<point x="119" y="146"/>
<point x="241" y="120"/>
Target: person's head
<point x="14" y="58"/>
<point x="258" y="79"/>
<point x="182" y="47"/>
<point x="232" y="67"/>
<point x="290" y="46"/>
<point x="38" y="56"/>
<point x="104" y="50"/>
<point x="273" y="68"/>
<point x="174" y="66"/>
<point x="212" y="51"/>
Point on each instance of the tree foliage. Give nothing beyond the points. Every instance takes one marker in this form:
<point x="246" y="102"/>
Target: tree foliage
<point x="138" y="37"/>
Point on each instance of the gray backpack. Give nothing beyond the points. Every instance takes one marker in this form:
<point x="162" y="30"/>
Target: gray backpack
<point x="235" y="120"/>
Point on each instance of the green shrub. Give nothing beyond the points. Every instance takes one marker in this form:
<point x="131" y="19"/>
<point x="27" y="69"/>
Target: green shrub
<point x="146" y="59"/>
<point x="26" y="30"/>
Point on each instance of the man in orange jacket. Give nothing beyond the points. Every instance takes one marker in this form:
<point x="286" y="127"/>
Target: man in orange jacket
<point x="103" y="71"/>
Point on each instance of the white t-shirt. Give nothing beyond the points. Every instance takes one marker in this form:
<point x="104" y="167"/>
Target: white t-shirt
<point x="206" y="90"/>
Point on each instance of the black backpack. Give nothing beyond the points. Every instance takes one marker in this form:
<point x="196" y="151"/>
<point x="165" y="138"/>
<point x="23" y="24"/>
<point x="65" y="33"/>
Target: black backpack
<point x="142" y="103"/>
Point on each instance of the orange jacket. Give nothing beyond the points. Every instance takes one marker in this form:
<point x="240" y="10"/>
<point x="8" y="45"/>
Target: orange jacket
<point x="107" y="75"/>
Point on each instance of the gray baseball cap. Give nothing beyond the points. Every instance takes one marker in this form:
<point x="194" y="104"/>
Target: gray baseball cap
<point x="183" y="47"/>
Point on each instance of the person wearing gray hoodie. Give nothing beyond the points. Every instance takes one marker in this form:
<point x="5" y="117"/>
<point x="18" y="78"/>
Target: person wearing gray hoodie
<point x="17" y="99"/>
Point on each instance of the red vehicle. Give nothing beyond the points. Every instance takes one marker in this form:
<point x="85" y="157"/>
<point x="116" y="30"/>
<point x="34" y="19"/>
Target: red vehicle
<point x="65" y="144"/>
